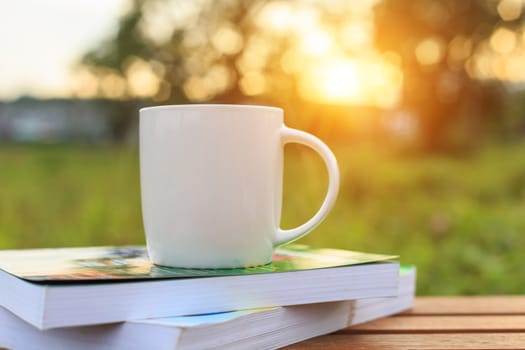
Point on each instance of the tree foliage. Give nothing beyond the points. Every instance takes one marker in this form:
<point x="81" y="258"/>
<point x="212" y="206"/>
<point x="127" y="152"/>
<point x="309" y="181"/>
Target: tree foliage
<point x="218" y="51"/>
<point x="446" y="95"/>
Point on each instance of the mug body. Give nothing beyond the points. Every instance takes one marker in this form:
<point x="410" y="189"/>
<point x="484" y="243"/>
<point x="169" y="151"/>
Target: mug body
<point x="211" y="183"/>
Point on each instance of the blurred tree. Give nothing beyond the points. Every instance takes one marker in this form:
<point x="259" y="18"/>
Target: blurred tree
<point x="441" y="44"/>
<point x="186" y="51"/>
<point x="305" y="56"/>
<point x="179" y="52"/>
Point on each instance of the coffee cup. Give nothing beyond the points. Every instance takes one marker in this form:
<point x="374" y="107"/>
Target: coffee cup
<point x="211" y="184"/>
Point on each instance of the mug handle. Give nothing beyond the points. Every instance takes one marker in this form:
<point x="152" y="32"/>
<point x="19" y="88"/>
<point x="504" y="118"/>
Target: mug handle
<point x="289" y="135"/>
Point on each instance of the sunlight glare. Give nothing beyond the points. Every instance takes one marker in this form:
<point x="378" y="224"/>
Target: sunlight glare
<point x="196" y="88"/>
<point x="113" y="86"/>
<point x="304" y="19"/>
<point x="227" y="40"/>
<point x="372" y="81"/>
<point x="253" y="83"/>
<point x="289" y="61"/>
<point x="142" y="79"/>
<point x="516" y="67"/>
<point x="510" y="10"/>
<point x="160" y="19"/>
<point x="340" y="81"/>
<point x="316" y="42"/>
<point x="332" y="82"/>
<point x="503" y="41"/>
<point x="276" y="15"/>
<point x="357" y="35"/>
<point x="255" y="55"/>
<point x="383" y="83"/>
<point x="429" y="51"/>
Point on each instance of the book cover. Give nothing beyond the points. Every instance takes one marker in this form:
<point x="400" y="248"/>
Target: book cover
<point x="50" y="288"/>
<point x="132" y="263"/>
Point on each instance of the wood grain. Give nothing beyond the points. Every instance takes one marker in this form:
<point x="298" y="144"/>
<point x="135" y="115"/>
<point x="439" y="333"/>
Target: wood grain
<point x="493" y="322"/>
<point x="471" y="341"/>
<point x="434" y="324"/>
<point x="474" y="305"/>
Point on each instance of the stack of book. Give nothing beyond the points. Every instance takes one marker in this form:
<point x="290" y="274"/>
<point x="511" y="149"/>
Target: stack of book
<point x="115" y="298"/>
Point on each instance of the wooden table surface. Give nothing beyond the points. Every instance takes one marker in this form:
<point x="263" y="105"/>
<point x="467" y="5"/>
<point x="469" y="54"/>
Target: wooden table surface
<point x="495" y="322"/>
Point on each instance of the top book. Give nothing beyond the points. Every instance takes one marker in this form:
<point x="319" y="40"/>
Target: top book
<point x="81" y="286"/>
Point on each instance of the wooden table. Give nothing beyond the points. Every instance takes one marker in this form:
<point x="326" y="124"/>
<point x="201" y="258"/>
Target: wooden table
<point x="496" y="322"/>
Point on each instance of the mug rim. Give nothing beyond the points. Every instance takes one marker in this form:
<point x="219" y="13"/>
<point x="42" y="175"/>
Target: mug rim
<point x="209" y="106"/>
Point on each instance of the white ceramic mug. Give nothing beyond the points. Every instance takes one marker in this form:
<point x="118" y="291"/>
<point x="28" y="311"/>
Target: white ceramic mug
<point x="211" y="181"/>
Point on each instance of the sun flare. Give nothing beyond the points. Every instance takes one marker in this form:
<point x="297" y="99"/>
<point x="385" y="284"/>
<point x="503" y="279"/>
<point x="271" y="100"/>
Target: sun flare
<point x="338" y="82"/>
<point x="346" y="81"/>
<point x="333" y="64"/>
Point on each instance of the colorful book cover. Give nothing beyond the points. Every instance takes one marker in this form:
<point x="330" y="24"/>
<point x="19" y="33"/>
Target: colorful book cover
<point x="99" y="264"/>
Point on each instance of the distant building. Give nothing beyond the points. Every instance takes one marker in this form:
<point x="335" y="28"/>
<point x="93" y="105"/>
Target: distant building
<point x="56" y="120"/>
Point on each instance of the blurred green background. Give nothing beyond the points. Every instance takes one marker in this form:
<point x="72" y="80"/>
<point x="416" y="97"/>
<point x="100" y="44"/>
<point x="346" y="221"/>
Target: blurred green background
<point x="422" y="102"/>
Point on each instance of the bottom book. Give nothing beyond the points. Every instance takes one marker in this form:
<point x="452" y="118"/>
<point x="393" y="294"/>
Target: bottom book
<point x="267" y="328"/>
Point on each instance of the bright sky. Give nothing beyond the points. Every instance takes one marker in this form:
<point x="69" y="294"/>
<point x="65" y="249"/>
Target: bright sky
<point x="40" y="41"/>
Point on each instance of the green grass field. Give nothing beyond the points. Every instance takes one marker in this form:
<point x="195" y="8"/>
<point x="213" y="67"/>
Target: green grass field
<point x="460" y="220"/>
